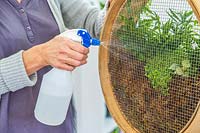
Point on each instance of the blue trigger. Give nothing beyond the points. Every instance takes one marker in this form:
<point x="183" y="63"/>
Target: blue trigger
<point x="87" y="40"/>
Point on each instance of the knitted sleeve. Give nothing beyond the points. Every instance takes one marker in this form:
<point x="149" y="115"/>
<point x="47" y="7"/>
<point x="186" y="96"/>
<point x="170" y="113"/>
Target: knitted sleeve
<point x="81" y="14"/>
<point x="13" y="75"/>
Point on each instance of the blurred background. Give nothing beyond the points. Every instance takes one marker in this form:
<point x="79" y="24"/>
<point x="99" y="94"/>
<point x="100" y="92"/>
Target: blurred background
<point x="92" y="114"/>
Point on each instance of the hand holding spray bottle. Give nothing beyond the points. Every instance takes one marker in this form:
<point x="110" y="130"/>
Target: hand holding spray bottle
<point x="56" y="88"/>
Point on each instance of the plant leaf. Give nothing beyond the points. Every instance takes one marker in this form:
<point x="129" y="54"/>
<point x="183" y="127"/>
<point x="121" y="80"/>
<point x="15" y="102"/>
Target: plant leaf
<point x="173" y="66"/>
<point x="186" y="63"/>
<point x="179" y="71"/>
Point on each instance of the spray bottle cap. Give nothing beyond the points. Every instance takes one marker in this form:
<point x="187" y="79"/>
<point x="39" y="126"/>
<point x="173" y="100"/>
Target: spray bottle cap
<point x="87" y="40"/>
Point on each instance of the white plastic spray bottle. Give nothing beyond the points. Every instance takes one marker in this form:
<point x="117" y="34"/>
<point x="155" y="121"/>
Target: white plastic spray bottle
<point x="56" y="88"/>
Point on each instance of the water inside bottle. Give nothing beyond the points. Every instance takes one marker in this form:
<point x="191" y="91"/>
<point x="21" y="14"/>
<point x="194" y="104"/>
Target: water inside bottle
<point x="50" y="105"/>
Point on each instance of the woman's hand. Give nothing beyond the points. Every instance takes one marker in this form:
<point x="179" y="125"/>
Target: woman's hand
<point x="63" y="53"/>
<point x="59" y="52"/>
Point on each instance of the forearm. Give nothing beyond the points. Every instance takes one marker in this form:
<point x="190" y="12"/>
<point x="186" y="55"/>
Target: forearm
<point x="101" y="19"/>
<point x="19" y="70"/>
<point x="80" y="14"/>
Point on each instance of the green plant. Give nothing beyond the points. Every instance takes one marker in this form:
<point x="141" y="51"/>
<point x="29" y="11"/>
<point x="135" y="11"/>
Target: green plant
<point x="102" y="4"/>
<point x="117" y="130"/>
<point x="161" y="68"/>
<point x="169" y="48"/>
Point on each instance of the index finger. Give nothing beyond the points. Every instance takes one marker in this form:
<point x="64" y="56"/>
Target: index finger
<point x="78" y="47"/>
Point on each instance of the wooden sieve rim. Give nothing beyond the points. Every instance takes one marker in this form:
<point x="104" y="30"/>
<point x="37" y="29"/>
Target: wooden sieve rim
<point x="195" y="5"/>
<point x="193" y="124"/>
<point x="191" y="127"/>
<point x="103" y="69"/>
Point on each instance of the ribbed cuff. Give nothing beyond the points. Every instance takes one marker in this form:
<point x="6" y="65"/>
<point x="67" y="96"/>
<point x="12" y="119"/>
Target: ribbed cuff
<point x="13" y="73"/>
<point x="3" y="87"/>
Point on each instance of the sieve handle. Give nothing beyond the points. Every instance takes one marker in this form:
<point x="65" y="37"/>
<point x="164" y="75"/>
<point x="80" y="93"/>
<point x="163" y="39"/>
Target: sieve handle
<point x="195" y="4"/>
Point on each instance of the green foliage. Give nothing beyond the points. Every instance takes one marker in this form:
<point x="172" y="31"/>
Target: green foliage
<point x="117" y="130"/>
<point x="102" y="4"/>
<point x="168" y="48"/>
<point x="161" y="69"/>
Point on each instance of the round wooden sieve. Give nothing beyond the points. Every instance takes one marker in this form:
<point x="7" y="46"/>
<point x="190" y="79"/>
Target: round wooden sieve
<point x="149" y="88"/>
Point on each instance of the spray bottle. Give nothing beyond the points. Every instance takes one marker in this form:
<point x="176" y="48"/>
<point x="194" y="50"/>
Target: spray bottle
<point x="56" y="88"/>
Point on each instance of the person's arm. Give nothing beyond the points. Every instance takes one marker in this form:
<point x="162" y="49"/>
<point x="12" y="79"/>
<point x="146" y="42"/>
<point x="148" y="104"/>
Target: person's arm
<point x="13" y="74"/>
<point x="19" y="70"/>
<point x="80" y="14"/>
<point x="59" y="52"/>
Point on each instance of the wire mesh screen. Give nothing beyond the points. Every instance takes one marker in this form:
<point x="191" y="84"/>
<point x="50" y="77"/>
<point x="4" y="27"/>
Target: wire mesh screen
<point x="154" y="64"/>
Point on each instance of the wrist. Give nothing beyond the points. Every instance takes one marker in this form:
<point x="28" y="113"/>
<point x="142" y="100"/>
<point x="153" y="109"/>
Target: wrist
<point x="39" y="50"/>
<point x="33" y="59"/>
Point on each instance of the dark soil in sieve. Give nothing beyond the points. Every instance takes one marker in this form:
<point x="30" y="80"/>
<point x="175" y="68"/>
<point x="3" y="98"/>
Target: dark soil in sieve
<point x="144" y="108"/>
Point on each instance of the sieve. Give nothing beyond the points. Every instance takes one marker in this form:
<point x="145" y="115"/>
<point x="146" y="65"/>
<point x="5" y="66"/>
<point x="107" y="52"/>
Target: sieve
<point x="150" y="65"/>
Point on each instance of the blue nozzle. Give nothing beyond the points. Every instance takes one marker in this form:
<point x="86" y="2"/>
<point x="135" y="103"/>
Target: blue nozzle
<point x="95" y="42"/>
<point x="87" y="40"/>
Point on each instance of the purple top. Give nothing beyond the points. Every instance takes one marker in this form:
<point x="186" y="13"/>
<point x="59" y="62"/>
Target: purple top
<point x="21" y="27"/>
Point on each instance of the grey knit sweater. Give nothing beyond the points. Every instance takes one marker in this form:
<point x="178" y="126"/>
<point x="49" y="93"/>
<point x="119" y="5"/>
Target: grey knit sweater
<point x="68" y="13"/>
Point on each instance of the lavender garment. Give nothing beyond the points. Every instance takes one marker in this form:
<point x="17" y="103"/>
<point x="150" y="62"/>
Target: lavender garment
<point x="23" y="26"/>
